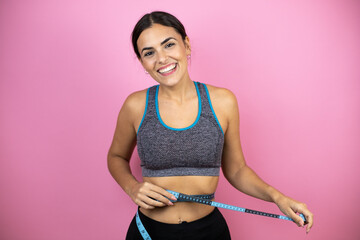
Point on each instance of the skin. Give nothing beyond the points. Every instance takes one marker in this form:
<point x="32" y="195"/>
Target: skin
<point x="178" y="106"/>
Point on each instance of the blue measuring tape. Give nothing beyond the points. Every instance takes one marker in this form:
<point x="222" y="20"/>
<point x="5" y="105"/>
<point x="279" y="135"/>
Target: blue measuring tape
<point x="206" y="199"/>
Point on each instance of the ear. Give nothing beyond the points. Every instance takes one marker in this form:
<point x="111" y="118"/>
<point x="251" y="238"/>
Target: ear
<point x="187" y="45"/>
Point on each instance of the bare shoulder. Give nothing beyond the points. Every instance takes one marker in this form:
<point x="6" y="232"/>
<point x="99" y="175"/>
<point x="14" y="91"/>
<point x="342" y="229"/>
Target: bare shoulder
<point x="224" y="104"/>
<point x="135" y="98"/>
<point x="134" y="105"/>
<point x="125" y="134"/>
<point x="222" y="97"/>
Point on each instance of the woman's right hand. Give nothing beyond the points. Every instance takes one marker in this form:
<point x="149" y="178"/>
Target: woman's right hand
<point x="148" y="196"/>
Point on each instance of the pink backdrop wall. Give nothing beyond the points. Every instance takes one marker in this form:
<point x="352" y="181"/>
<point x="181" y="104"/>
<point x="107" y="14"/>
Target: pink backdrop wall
<point x="67" y="66"/>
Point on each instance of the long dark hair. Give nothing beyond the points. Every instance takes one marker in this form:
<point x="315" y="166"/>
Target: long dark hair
<point x="163" y="18"/>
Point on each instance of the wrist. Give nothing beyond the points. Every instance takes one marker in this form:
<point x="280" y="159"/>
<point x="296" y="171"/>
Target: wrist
<point x="130" y="186"/>
<point x="275" y="195"/>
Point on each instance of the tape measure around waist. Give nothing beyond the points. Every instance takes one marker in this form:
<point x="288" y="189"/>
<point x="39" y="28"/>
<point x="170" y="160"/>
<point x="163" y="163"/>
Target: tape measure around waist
<point x="206" y="199"/>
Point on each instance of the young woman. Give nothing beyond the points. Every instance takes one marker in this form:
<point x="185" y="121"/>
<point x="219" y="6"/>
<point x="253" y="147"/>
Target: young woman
<point x="184" y="131"/>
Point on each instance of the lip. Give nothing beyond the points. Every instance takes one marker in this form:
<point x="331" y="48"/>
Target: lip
<point x="172" y="71"/>
<point x="166" y="66"/>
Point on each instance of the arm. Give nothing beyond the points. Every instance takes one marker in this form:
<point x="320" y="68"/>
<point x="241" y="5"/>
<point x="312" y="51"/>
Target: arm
<point x="240" y="175"/>
<point x="120" y="152"/>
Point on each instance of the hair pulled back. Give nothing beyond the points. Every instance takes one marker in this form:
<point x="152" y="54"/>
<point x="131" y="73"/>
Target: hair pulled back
<point x="163" y="18"/>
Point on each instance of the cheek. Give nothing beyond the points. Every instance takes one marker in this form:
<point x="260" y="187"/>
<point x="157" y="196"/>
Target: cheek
<point x="185" y="54"/>
<point x="180" y="56"/>
<point x="148" y="64"/>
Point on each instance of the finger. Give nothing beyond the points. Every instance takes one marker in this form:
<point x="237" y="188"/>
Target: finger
<point x="309" y="219"/>
<point x="297" y="219"/>
<point x="164" y="193"/>
<point x="159" y="198"/>
<point x="149" y="193"/>
<point x="154" y="203"/>
<point x="149" y="200"/>
<point x="151" y="187"/>
<point x="143" y="204"/>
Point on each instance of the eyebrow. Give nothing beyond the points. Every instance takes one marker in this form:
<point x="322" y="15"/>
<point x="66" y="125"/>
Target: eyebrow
<point x="162" y="43"/>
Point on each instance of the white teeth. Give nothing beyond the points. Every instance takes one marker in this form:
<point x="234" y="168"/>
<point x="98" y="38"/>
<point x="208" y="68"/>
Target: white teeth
<point x="169" y="68"/>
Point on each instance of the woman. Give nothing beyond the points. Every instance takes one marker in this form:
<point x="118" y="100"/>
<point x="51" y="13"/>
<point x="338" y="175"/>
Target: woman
<point x="185" y="131"/>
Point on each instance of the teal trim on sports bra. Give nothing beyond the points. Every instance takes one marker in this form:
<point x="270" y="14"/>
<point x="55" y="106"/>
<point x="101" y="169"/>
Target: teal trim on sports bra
<point x="178" y="129"/>
<point x="212" y="109"/>
<point x="146" y="104"/>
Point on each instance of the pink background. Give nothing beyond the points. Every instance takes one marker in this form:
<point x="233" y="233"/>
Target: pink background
<point x="67" y="66"/>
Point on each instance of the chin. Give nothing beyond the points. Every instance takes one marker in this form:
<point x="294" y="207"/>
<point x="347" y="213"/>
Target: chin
<point x="168" y="82"/>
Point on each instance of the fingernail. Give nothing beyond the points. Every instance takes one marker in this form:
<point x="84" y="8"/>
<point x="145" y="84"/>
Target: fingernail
<point x="170" y="203"/>
<point x="173" y="198"/>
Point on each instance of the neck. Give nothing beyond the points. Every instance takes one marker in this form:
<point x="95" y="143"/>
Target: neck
<point x="179" y="92"/>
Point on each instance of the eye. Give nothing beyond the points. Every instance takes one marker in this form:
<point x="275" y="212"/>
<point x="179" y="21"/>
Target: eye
<point x="148" y="54"/>
<point x="170" y="45"/>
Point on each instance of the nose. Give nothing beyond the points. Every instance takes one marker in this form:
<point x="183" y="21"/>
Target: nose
<point x="162" y="57"/>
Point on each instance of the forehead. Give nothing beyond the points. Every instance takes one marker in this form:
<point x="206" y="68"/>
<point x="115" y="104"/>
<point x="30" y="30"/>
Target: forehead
<point x="155" y="35"/>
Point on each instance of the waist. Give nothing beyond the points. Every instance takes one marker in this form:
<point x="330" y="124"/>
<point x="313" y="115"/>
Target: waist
<point x="181" y="211"/>
<point x="192" y="185"/>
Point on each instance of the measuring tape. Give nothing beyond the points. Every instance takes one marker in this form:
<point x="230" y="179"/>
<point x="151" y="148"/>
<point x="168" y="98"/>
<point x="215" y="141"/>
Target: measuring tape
<point x="205" y="199"/>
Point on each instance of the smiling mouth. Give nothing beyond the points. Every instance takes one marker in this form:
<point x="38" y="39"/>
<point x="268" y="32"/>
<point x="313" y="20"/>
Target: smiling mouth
<point x="168" y="70"/>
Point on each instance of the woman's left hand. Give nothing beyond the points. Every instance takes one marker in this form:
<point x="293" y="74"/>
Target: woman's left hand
<point x="290" y="207"/>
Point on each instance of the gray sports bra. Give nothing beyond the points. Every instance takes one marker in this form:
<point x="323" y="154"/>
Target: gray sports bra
<point x="194" y="150"/>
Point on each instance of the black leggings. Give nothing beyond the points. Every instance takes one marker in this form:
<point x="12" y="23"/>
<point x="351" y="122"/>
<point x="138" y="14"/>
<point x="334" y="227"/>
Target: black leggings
<point x="210" y="227"/>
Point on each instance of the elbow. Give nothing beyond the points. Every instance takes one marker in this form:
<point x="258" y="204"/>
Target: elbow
<point x="114" y="160"/>
<point x="233" y="173"/>
<point x="111" y="159"/>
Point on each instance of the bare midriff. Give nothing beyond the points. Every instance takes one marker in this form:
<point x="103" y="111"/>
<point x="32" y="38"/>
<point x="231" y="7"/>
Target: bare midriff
<point x="182" y="211"/>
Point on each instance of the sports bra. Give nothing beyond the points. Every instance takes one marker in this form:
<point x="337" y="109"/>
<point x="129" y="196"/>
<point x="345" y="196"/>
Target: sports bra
<point x="194" y="150"/>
